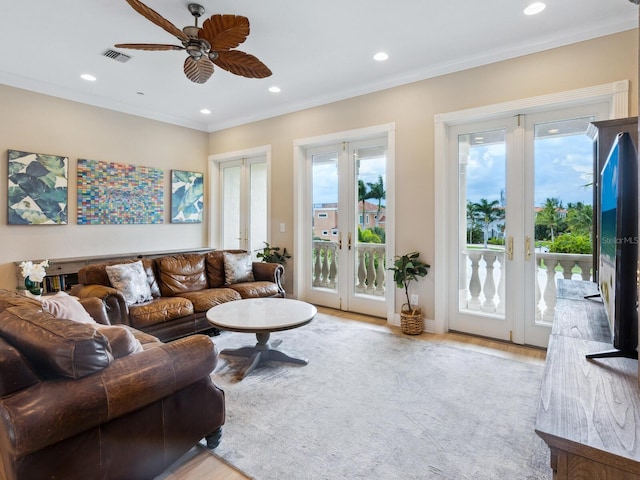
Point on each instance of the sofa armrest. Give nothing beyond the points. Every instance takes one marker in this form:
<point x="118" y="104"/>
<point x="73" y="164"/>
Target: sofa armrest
<point x="269" y="272"/>
<point x="114" y="302"/>
<point x="54" y="410"/>
<point x="96" y="308"/>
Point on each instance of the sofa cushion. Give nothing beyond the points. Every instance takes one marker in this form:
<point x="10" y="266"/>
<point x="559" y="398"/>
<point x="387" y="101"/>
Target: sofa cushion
<point x="203" y="300"/>
<point x="55" y="347"/>
<point x="238" y="267"/>
<point x="131" y="280"/>
<point x="181" y="273"/>
<point x="63" y="305"/>
<point x="159" y="310"/>
<point x="256" y="289"/>
<point x="15" y="371"/>
<point x="215" y="268"/>
<point x="121" y="340"/>
<point x="9" y="298"/>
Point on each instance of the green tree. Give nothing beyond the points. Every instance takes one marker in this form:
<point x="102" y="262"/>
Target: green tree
<point x="580" y="218"/>
<point x="472" y="216"/>
<point x="550" y="215"/>
<point x="488" y="212"/>
<point x="377" y="192"/>
<point x="362" y="195"/>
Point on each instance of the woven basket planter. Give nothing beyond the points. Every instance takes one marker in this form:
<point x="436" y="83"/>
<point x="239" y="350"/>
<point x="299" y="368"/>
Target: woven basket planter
<point x="412" y="322"/>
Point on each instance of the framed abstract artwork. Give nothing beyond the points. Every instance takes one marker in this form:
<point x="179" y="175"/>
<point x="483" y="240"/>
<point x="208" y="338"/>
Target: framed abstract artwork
<point x="38" y="189"/>
<point x="115" y="193"/>
<point x="187" y="196"/>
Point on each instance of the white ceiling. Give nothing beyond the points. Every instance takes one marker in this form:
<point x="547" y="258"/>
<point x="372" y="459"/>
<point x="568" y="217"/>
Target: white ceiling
<point x="319" y="51"/>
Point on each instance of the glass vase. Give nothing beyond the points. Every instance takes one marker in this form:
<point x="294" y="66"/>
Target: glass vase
<point x="35" y="288"/>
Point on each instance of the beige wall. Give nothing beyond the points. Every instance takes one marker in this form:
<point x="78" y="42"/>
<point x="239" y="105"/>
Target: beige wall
<point x="43" y="124"/>
<point x="412" y="107"/>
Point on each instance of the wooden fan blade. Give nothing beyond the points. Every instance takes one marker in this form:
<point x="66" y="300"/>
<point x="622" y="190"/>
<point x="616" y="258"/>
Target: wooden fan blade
<point x="158" y="19"/>
<point x="225" y="32"/>
<point x="198" y="71"/>
<point x="243" y="64"/>
<point x="148" y="46"/>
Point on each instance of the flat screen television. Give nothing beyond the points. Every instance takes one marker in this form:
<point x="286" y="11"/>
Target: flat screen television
<point x="618" y="247"/>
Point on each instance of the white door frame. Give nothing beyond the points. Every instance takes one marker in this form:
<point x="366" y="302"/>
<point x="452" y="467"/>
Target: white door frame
<point x="300" y="191"/>
<point x="215" y="200"/>
<point x="616" y="94"/>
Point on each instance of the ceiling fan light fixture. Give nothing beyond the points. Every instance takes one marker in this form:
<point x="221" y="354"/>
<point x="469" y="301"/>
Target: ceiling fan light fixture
<point x="534" y="8"/>
<point x="213" y="56"/>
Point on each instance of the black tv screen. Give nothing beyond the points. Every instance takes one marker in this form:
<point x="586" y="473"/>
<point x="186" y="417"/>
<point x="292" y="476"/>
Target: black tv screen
<point x="618" y="247"/>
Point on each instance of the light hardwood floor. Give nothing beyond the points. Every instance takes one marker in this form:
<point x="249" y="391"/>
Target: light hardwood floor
<point x="201" y="465"/>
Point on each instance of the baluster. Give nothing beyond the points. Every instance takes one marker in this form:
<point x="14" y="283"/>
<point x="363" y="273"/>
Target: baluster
<point x="538" y="292"/>
<point x="567" y="267"/>
<point x="474" y="283"/>
<point x="489" y="289"/>
<point x="550" y="291"/>
<point x="333" y="267"/>
<point x="371" y="272"/>
<point x="317" y="281"/>
<point x="585" y="269"/>
<point x="381" y="274"/>
<point x="501" y="282"/>
<point x="361" y="268"/>
<point x="324" y="272"/>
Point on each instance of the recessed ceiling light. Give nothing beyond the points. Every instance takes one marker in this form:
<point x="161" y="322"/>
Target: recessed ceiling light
<point x="380" y="57"/>
<point x="274" y="89"/>
<point x="205" y="111"/>
<point x="534" y="8"/>
<point x="88" y="77"/>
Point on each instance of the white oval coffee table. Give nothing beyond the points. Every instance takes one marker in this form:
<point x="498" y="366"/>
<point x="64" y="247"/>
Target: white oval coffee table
<point x="261" y="316"/>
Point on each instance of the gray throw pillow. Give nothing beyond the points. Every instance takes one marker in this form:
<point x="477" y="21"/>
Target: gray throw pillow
<point x="131" y="280"/>
<point x="238" y="268"/>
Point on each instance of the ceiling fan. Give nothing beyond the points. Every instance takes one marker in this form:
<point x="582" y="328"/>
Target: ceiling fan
<point x="207" y="45"/>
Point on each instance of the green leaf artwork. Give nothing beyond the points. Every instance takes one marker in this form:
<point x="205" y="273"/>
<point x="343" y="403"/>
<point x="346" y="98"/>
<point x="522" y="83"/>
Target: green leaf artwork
<point x="37" y="190"/>
<point x="187" y="196"/>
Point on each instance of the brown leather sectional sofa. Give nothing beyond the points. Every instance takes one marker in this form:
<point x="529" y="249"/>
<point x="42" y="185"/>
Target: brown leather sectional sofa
<point x="75" y="406"/>
<point x="183" y="287"/>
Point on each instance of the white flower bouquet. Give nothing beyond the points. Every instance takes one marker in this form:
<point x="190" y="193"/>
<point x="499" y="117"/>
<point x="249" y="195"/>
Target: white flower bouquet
<point x="34" y="274"/>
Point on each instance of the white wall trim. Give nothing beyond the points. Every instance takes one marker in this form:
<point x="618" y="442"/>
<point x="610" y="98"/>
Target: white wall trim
<point x="616" y="94"/>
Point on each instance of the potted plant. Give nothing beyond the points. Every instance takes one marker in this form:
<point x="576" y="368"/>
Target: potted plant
<point x="270" y="254"/>
<point x="407" y="268"/>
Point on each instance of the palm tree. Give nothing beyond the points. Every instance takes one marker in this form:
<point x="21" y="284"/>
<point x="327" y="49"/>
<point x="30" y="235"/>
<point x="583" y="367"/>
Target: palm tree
<point x="362" y="196"/>
<point x="376" y="191"/>
<point x="472" y="216"/>
<point x="488" y="212"/>
<point x="580" y="218"/>
<point x="549" y="216"/>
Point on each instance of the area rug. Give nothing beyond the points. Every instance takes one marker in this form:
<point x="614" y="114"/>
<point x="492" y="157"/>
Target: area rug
<point x="374" y="405"/>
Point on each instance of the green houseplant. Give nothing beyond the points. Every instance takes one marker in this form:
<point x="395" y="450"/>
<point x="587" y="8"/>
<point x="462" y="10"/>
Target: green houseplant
<point x="407" y="268"/>
<point x="270" y="254"/>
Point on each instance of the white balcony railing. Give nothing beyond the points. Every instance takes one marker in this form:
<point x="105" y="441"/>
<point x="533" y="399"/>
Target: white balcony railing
<point x="482" y="283"/>
<point x="370" y="258"/>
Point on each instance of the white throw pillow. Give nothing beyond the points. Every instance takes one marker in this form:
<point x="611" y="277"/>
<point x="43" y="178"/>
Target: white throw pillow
<point x="131" y="280"/>
<point x="238" y="268"/>
<point x="63" y="305"/>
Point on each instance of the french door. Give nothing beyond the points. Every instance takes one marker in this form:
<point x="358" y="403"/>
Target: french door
<point x="243" y="203"/>
<point x="345" y="230"/>
<point x="521" y="208"/>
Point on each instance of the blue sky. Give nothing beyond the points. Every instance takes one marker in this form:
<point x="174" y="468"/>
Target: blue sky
<point x="325" y="178"/>
<point x="564" y="165"/>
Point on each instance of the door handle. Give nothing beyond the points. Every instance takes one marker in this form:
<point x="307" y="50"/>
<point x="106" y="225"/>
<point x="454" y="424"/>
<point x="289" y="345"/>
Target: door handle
<point x="349" y="240"/>
<point x="340" y="241"/>
<point x="509" y="250"/>
<point x="528" y="247"/>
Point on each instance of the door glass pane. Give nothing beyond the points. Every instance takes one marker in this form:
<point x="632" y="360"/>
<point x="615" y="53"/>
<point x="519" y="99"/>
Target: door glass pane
<point x="258" y="207"/>
<point x="231" y="226"/>
<point x="325" y="234"/>
<point x="482" y="221"/>
<point x="369" y="231"/>
<point x="563" y="208"/>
